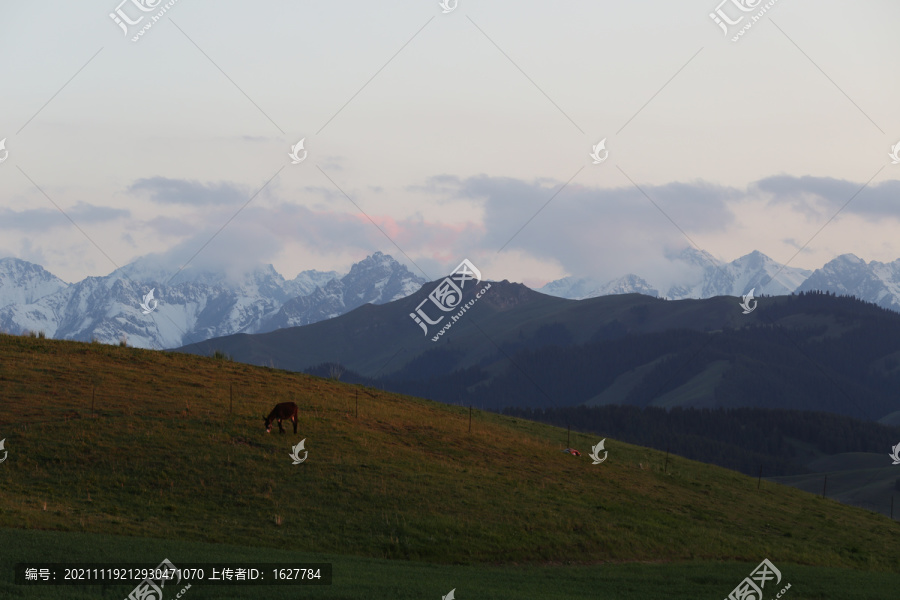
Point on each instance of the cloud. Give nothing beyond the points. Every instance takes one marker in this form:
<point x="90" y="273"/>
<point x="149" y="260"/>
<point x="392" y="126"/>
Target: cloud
<point x="595" y="231"/>
<point x="438" y="185"/>
<point x="824" y="196"/>
<point x="518" y="229"/>
<point x="328" y="193"/>
<point x="170" y="226"/>
<point x="190" y="193"/>
<point x="332" y="163"/>
<point x="42" y="219"/>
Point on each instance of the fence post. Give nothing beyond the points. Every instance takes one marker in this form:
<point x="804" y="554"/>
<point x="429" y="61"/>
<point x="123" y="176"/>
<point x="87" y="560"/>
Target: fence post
<point x="230" y="398"/>
<point x="470" y="418"/>
<point x="759" y="479"/>
<point x="357" y="403"/>
<point x="93" y="390"/>
<point x="824" y="485"/>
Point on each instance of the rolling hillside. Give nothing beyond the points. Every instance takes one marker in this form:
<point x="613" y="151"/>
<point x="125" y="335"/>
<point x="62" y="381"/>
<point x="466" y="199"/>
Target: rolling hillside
<point x="160" y="456"/>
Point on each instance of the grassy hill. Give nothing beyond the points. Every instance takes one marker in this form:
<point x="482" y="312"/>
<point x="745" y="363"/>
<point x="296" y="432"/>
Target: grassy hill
<point x="162" y="456"/>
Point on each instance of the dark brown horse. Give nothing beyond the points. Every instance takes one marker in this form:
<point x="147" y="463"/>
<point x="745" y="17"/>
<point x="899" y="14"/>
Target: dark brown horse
<point x="285" y="410"/>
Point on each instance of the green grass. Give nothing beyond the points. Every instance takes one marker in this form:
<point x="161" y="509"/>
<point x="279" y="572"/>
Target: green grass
<point x="357" y="578"/>
<point x="404" y="481"/>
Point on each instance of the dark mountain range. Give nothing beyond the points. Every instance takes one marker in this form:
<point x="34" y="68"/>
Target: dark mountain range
<point x="518" y="348"/>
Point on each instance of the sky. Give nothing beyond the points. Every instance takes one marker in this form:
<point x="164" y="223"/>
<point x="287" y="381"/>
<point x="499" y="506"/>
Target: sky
<point x="435" y="136"/>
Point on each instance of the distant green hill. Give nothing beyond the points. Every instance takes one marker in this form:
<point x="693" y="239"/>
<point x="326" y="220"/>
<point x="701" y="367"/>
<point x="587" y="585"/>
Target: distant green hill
<point x="518" y="348"/>
<point x="161" y="455"/>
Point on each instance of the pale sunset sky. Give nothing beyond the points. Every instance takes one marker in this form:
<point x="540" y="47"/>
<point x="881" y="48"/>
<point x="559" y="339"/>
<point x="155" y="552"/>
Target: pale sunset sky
<point x="451" y="131"/>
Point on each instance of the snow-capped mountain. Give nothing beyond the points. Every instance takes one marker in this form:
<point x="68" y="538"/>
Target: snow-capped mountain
<point x="193" y="306"/>
<point x="702" y="277"/>
<point x="306" y="282"/>
<point x="377" y="279"/>
<point x="752" y="271"/>
<point x="585" y="287"/>
<point x="850" y="275"/>
<point x="190" y="307"/>
<point x="629" y="284"/>
<point x="22" y="282"/>
<point x="574" y="288"/>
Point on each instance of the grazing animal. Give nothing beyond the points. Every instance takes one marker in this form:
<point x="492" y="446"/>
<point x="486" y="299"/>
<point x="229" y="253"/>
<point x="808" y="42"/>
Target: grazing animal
<point x="285" y="410"/>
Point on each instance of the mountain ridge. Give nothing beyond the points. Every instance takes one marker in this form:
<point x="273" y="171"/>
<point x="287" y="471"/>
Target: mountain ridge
<point x="194" y="305"/>
<point x="191" y="305"/>
<point x="519" y="348"/>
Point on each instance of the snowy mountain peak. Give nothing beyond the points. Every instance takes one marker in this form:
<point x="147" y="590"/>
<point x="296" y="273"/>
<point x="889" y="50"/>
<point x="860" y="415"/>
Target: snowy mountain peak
<point x="850" y="275"/>
<point x="379" y="278"/>
<point x="850" y="259"/>
<point x="629" y="284"/>
<point x="755" y="260"/>
<point x="700" y="276"/>
<point x="306" y="282"/>
<point x="193" y="306"/>
<point x="22" y="282"/>
<point x="571" y="287"/>
<point x="692" y="256"/>
<point x="377" y="262"/>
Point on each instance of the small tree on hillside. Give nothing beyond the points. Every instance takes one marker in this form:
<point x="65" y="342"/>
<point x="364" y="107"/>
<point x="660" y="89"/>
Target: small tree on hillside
<point x="335" y="371"/>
